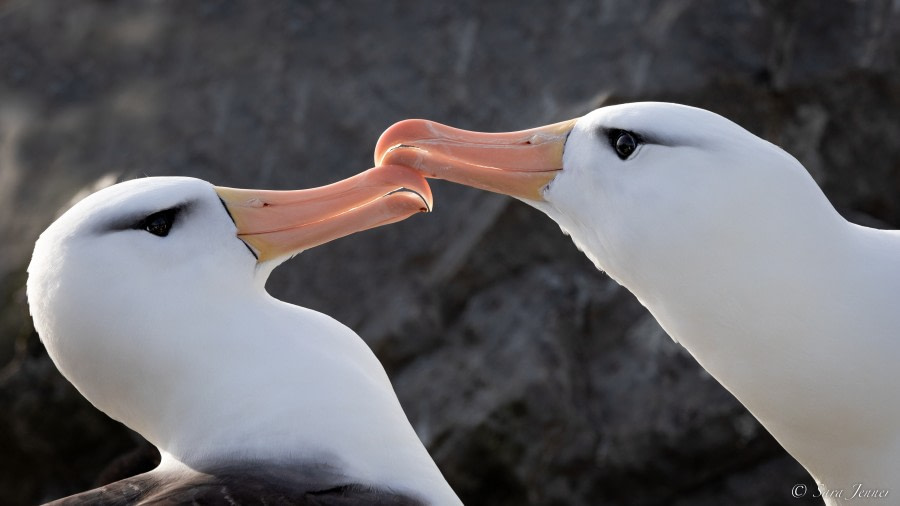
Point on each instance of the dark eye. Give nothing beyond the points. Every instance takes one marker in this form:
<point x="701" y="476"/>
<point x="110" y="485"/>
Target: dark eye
<point x="158" y="224"/>
<point x="625" y="143"/>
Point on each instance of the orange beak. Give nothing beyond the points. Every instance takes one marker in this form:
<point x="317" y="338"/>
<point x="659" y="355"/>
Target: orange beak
<point x="281" y="223"/>
<point x="514" y="163"/>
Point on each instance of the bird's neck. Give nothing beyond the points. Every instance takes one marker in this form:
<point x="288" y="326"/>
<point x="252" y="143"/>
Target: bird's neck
<point x="803" y="337"/>
<point x="798" y="327"/>
<point x="266" y="381"/>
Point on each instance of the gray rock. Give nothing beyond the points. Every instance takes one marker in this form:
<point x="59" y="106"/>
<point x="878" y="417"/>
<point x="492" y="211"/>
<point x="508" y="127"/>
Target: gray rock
<point x="532" y="377"/>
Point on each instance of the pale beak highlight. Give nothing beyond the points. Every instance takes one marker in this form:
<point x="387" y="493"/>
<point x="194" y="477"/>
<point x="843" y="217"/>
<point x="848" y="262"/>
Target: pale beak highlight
<point x="520" y="163"/>
<point x="276" y="224"/>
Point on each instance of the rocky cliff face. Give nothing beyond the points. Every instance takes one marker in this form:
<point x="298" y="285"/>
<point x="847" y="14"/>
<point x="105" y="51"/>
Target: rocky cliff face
<point x="533" y="378"/>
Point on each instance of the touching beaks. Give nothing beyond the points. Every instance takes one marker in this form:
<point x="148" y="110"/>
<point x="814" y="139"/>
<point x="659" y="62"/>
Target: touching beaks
<point x="277" y="224"/>
<point x="520" y="163"/>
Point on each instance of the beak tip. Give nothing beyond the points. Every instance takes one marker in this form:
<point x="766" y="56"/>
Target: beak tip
<point x="397" y="134"/>
<point x="383" y="144"/>
<point x="520" y="164"/>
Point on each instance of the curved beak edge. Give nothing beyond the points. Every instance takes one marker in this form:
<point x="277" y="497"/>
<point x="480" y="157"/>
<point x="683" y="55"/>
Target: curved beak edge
<point x="520" y="164"/>
<point x="279" y="224"/>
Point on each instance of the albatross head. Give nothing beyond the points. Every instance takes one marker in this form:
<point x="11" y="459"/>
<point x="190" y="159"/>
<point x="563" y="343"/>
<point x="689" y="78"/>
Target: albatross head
<point x="731" y="245"/>
<point x="652" y="192"/>
<point x="149" y="298"/>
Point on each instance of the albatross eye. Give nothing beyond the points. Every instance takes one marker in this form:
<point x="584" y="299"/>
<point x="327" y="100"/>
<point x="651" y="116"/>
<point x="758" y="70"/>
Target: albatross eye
<point x="625" y="143"/>
<point x="158" y="224"/>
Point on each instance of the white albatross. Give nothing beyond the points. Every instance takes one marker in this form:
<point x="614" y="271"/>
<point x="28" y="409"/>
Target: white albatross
<point x="149" y="296"/>
<point x="734" y="249"/>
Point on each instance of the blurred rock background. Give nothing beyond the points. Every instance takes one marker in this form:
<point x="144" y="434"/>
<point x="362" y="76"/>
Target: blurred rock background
<point x="532" y="378"/>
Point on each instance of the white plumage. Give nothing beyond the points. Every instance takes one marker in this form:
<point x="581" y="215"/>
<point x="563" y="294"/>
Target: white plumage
<point x="735" y="250"/>
<point x="176" y="337"/>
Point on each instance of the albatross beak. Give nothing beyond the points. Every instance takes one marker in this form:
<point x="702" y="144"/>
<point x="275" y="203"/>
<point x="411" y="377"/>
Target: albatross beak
<point x="280" y="223"/>
<point x="515" y="163"/>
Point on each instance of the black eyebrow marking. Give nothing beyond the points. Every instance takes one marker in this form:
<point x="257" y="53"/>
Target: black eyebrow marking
<point x="643" y="138"/>
<point x="130" y="221"/>
<point x="609" y="132"/>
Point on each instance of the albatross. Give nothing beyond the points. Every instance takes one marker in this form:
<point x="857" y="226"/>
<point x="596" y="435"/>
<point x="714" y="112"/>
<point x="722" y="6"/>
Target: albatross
<point x="730" y="244"/>
<point x="149" y="297"/>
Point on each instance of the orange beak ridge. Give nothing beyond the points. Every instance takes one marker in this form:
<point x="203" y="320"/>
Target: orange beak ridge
<point x="275" y="224"/>
<point x="520" y="163"/>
